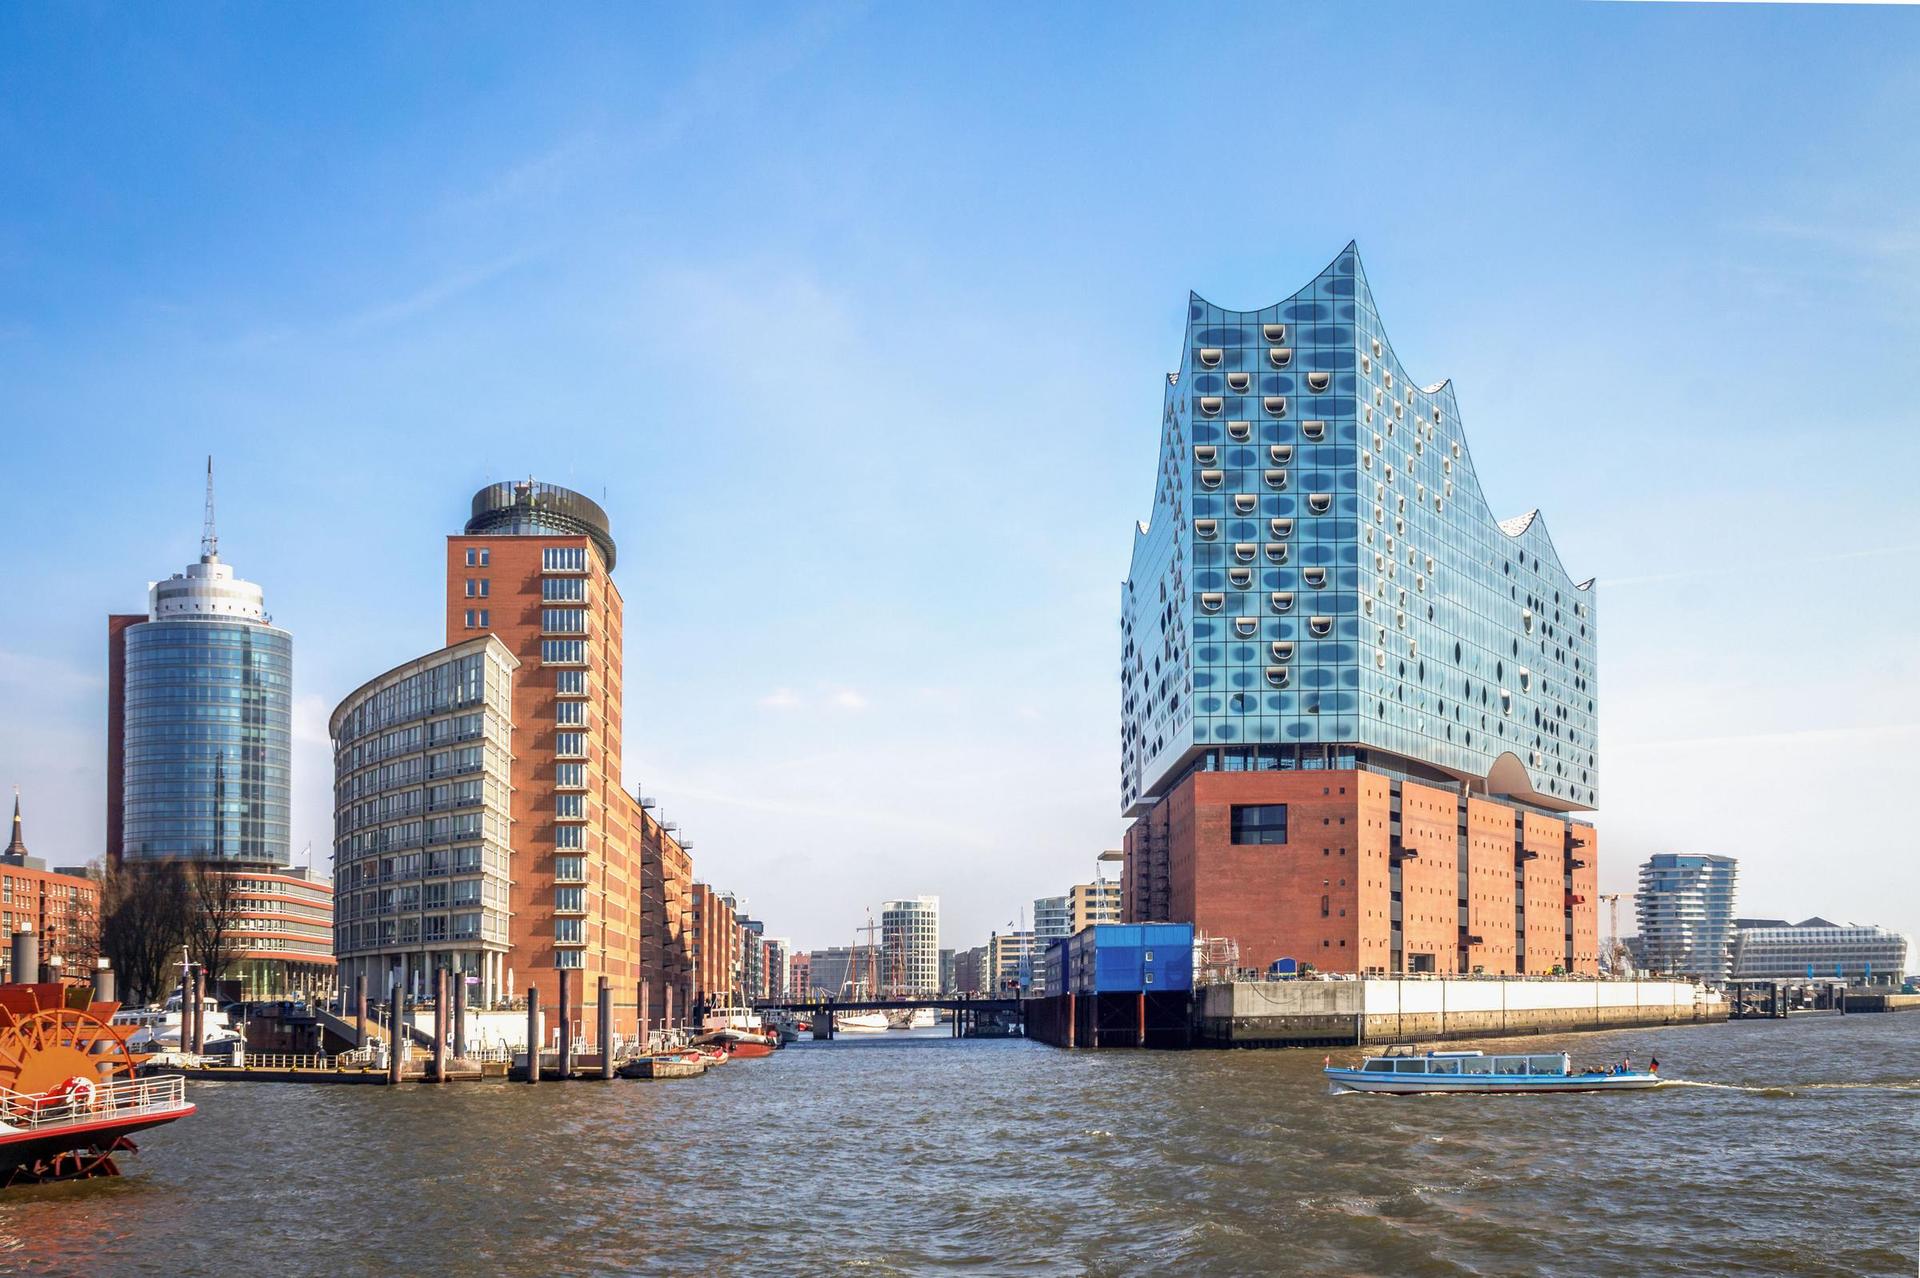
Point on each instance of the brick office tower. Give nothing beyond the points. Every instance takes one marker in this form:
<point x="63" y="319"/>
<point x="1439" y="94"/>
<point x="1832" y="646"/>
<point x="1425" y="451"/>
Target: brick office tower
<point x="600" y="887"/>
<point x="1357" y="709"/>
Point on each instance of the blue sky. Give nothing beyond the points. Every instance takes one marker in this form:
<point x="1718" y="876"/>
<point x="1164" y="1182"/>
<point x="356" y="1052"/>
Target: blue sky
<point x="857" y="318"/>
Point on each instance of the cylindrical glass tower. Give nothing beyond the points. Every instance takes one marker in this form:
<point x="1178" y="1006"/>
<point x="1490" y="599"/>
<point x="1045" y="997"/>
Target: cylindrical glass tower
<point x="208" y="735"/>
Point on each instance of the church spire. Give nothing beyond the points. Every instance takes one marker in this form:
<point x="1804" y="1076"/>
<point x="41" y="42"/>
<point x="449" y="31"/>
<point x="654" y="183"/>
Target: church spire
<point x="19" y="845"/>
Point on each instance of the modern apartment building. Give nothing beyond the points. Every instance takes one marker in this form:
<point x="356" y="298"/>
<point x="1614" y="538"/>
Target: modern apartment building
<point x="1686" y="910"/>
<point x="423" y="824"/>
<point x="1052" y="921"/>
<point x="910" y="946"/>
<point x="1011" y="960"/>
<point x="833" y="971"/>
<point x="1091" y="903"/>
<point x="1774" y="949"/>
<point x="1357" y="707"/>
<point x="283" y="933"/>
<point x="971" y="974"/>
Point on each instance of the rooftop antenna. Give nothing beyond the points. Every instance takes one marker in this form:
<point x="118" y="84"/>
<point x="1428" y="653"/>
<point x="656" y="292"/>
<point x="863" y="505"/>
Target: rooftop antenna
<point x="209" y="540"/>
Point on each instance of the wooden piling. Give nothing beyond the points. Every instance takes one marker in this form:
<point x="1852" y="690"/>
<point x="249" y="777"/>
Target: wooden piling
<point x="360" y="1010"/>
<point x="566" y="1024"/>
<point x="606" y="1030"/>
<point x="396" y="1035"/>
<point x="440" y="1027"/>
<point x="669" y="1004"/>
<point x="199" y="1012"/>
<point x="533" y="1033"/>
<point x="459" y="982"/>
<point x="1140" y="1033"/>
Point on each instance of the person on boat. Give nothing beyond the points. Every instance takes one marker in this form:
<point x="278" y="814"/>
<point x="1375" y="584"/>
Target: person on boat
<point x="1654" y="1068"/>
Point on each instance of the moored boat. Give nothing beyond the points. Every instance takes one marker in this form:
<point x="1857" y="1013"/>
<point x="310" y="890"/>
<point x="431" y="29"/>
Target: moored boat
<point x="859" y="1022"/>
<point x="1404" y="1070"/>
<point x="736" y="1029"/>
<point x="665" y="1065"/>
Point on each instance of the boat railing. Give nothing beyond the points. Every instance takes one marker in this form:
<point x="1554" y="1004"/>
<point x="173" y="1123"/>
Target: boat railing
<point x="93" y="1103"/>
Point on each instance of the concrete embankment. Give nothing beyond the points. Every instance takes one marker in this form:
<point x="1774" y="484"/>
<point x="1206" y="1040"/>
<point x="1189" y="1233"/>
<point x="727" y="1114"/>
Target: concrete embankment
<point x="1344" y="1013"/>
<point x="1861" y="1001"/>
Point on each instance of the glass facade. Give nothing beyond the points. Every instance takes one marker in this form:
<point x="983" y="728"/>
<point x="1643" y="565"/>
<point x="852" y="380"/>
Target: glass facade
<point x="208" y="741"/>
<point x="1321" y="572"/>
<point x="1686" y="913"/>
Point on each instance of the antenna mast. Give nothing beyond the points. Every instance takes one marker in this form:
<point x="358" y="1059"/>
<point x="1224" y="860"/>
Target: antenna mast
<point x="209" y="540"/>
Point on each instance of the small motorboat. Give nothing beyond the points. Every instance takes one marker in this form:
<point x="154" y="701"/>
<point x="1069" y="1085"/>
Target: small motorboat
<point x="1405" y="1070"/>
<point x="665" y="1065"/>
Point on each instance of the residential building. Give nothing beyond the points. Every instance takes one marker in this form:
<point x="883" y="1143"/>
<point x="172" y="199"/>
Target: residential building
<point x="716" y="945"/>
<point x="1010" y="964"/>
<point x="946" y="972"/>
<point x="1685" y="908"/>
<point x="779" y="966"/>
<point x="910" y="946"/>
<point x="1357" y="708"/>
<point x="60" y="907"/>
<point x="971" y="973"/>
<point x="200" y="720"/>
<point x="1052" y="921"/>
<point x="423" y="824"/>
<point x="800" y="976"/>
<point x="1773" y="949"/>
<point x="835" y="970"/>
<point x="1091" y="903"/>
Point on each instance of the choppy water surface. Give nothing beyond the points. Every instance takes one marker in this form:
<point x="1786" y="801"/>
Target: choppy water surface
<point x="918" y="1154"/>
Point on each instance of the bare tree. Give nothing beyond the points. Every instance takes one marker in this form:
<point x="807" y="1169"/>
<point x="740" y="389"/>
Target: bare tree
<point x="143" y="916"/>
<point x="213" y="920"/>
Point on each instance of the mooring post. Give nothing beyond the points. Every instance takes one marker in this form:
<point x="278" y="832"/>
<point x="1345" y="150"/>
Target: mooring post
<point x="646" y="1015"/>
<point x="566" y="1024"/>
<point x="396" y="1017"/>
<point x="459" y="980"/>
<point x="1140" y="1033"/>
<point x="186" y="1007"/>
<point x="669" y="1004"/>
<point x="360" y="1010"/>
<point x="199" y="1012"/>
<point x="606" y="1030"/>
<point x="440" y="994"/>
<point x="26" y="958"/>
<point x="1071" y="1007"/>
<point x="533" y="1033"/>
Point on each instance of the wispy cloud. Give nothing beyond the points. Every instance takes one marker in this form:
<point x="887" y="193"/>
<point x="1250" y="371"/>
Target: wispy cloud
<point x="848" y="699"/>
<point x="437" y="293"/>
<point x="781" y="699"/>
<point x="1701" y="574"/>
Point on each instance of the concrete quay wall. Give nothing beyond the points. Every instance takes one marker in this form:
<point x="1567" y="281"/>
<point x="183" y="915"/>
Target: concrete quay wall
<point x="1345" y="1013"/>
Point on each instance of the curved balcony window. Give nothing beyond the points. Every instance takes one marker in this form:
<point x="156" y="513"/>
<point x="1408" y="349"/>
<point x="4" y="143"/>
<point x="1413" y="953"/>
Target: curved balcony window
<point x="1212" y="404"/>
<point x="1280" y="529"/>
<point x="1239" y="578"/>
<point x="1212" y="601"/>
<point x="1319" y="503"/>
<point x="1314" y="430"/>
<point x="1282" y="649"/>
<point x="1274" y="332"/>
<point x="1210" y="356"/>
<point x="1240" y="431"/>
<point x="1317" y="382"/>
<point x="1280" y="454"/>
<point x="1281" y="601"/>
<point x="1526" y="680"/>
<point x="1276" y="479"/>
<point x="1276" y="405"/>
<point x="1276" y="552"/>
<point x="1246" y="627"/>
<point x="1315" y="577"/>
<point x="1212" y="478"/>
<point x="1206" y="529"/>
<point x="1526" y="619"/>
<point x="1239" y="383"/>
<point x="1320" y="626"/>
<point x="1244" y="551"/>
<point x="1280" y="356"/>
<point x="1205" y="454"/>
<point x="1279" y="676"/>
<point x="1245" y="503"/>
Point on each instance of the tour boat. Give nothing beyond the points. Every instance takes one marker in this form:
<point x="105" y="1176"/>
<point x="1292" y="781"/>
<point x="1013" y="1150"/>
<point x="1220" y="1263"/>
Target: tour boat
<point x="859" y="1022"/>
<point x="911" y="1018"/>
<point x="161" y="1031"/>
<point x="1405" y="1070"/>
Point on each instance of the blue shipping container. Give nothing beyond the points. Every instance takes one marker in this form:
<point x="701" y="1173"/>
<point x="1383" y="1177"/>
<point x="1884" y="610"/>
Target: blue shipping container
<point x="1126" y="957"/>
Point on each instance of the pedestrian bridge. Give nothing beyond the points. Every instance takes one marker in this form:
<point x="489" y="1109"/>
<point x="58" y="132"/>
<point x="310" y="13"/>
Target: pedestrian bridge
<point x="972" y="1017"/>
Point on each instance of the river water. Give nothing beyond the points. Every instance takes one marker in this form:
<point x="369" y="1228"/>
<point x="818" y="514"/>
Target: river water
<point x="913" y="1154"/>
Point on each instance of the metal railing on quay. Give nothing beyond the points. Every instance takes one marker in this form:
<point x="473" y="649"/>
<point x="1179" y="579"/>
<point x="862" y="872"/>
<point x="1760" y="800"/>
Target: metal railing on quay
<point x="1251" y="975"/>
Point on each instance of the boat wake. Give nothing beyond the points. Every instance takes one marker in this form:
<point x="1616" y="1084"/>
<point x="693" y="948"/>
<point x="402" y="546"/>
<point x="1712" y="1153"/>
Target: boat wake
<point x="1798" y="1089"/>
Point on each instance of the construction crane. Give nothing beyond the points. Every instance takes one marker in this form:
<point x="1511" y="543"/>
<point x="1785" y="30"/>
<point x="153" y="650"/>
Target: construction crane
<point x="1616" y="950"/>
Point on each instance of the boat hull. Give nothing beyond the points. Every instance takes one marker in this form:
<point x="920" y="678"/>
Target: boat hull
<point x="663" y="1067"/>
<point x="1353" y="1080"/>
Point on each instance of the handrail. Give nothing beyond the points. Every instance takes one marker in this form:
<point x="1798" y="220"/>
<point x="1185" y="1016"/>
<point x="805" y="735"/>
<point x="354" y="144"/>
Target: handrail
<point x="128" y="1098"/>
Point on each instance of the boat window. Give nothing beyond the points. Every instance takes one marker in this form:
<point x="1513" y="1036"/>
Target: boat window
<point x="1409" y="1067"/>
<point x="1544" y="1065"/>
<point x="1379" y="1067"/>
<point x="1476" y="1065"/>
<point x="1443" y="1067"/>
<point x="1509" y="1064"/>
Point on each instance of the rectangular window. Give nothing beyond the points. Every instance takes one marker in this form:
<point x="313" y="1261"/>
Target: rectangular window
<point x="563" y="652"/>
<point x="564" y="621"/>
<point x="478" y="556"/>
<point x="570" y="683"/>
<point x="564" y="559"/>
<point x="570" y="958"/>
<point x="563" y="589"/>
<point x="570" y="900"/>
<point x="571" y="713"/>
<point x="569" y="774"/>
<point x="479" y="587"/>
<point x="570" y="744"/>
<point x="570" y="869"/>
<point x="568" y="836"/>
<point x="569" y="931"/>
<point x="472" y="616"/>
<point x="570" y="805"/>
<point x="1259" y="823"/>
